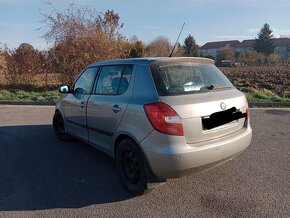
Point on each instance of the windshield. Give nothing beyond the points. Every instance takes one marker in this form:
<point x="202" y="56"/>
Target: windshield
<point x="179" y="79"/>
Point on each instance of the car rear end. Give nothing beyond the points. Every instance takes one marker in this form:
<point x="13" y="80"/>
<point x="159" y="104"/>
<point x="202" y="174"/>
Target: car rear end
<point x="200" y="121"/>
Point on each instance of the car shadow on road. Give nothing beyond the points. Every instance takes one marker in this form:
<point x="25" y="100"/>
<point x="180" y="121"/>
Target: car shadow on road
<point x="38" y="171"/>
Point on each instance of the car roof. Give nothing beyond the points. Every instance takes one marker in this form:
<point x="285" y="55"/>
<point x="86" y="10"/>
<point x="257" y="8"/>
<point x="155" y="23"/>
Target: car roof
<point x="154" y="60"/>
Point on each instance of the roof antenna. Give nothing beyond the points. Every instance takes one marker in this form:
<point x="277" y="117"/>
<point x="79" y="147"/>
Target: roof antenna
<point x="177" y="40"/>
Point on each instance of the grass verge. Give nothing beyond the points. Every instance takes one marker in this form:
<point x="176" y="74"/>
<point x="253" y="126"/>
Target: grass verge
<point x="20" y="95"/>
<point x="253" y="96"/>
<point x="264" y="96"/>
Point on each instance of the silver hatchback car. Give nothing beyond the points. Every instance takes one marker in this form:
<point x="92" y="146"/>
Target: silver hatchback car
<point x="157" y="117"/>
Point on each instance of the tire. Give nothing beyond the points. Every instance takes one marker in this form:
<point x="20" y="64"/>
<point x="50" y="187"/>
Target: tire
<point x="59" y="127"/>
<point x="131" y="167"/>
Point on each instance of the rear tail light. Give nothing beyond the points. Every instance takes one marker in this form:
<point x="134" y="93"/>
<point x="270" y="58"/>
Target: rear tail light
<point x="248" y="113"/>
<point x="164" y="119"/>
<point x="247" y="109"/>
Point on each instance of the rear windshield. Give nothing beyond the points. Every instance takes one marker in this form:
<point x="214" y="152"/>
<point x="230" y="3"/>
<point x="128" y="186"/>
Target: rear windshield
<point x="181" y="78"/>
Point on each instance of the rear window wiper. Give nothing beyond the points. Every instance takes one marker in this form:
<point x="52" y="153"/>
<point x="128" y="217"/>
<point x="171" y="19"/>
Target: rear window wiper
<point x="211" y="87"/>
<point x="207" y="87"/>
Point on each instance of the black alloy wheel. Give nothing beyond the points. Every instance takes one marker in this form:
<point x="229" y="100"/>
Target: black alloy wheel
<point x="131" y="168"/>
<point x="59" y="126"/>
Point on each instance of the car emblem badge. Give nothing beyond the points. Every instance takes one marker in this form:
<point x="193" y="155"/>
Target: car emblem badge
<point x="223" y="106"/>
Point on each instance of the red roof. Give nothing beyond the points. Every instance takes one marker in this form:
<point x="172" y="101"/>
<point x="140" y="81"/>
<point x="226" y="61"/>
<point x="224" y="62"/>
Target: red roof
<point x="282" y="41"/>
<point x="220" y="44"/>
<point x="277" y="42"/>
<point x="249" y="43"/>
<point x="246" y="43"/>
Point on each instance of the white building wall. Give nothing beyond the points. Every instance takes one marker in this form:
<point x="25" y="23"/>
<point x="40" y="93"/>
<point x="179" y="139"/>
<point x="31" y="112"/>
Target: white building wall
<point x="241" y="50"/>
<point x="211" y="52"/>
<point x="283" y="51"/>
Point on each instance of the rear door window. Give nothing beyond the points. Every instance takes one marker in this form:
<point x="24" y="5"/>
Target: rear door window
<point x="114" y="80"/>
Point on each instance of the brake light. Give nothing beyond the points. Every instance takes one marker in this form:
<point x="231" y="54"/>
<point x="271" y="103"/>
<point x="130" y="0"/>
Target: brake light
<point x="248" y="113"/>
<point x="164" y="119"/>
<point x="247" y="109"/>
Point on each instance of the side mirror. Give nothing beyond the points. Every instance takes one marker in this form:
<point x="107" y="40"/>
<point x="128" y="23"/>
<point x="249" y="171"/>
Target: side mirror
<point x="64" y="89"/>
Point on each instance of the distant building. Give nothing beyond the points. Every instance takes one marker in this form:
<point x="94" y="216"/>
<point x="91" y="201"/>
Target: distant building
<point x="282" y="47"/>
<point x="245" y="46"/>
<point x="212" y="48"/>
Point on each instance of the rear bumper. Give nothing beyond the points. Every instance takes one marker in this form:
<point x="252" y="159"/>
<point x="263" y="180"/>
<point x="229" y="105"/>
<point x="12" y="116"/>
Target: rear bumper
<point x="171" y="156"/>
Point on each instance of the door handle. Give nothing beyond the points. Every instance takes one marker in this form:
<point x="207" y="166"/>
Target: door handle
<point x="82" y="104"/>
<point x="116" y="109"/>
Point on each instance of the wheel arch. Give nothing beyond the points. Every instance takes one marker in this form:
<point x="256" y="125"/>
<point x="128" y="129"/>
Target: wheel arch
<point x="121" y="137"/>
<point x="151" y="177"/>
<point x="57" y="110"/>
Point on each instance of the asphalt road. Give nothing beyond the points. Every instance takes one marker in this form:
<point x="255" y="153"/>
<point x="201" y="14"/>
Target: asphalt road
<point x="41" y="176"/>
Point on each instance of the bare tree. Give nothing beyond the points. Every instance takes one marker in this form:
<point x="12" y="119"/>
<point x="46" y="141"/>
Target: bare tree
<point x="3" y="64"/>
<point x="23" y="64"/>
<point x="225" y="53"/>
<point x="82" y="36"/>
<point x="159" y="47"/>
<point x="136" y="48"/>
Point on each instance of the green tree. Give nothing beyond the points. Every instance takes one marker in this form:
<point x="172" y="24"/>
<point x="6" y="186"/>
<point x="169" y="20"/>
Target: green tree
<point x="190" y="47"/>
<point x="264" y="43"/>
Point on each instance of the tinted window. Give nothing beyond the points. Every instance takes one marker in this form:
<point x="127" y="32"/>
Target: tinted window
<point x="85" y="82"/>
<point x="178" y="79"/>
<point x="113" y="80"/>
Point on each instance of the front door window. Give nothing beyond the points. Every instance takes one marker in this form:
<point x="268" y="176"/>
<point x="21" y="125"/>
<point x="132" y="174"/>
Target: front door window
<point x="85" y="82"/>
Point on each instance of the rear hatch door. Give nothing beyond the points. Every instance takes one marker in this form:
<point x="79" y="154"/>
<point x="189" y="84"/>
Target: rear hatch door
<point x="196" y="107"/>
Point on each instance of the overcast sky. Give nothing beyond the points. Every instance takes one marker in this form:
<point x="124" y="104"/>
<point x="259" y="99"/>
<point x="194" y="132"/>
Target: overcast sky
<point x="206" y="20"/>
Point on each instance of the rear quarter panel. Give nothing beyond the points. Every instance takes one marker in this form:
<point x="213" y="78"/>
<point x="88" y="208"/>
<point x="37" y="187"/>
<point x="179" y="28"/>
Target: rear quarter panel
<point x="135" y="122"/>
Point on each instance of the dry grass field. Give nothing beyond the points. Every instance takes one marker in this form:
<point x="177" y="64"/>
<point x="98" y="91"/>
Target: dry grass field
<point x="273" y="78"/>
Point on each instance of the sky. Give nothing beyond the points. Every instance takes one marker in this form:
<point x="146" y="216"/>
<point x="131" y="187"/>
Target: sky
<point x="205" y="20"/>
